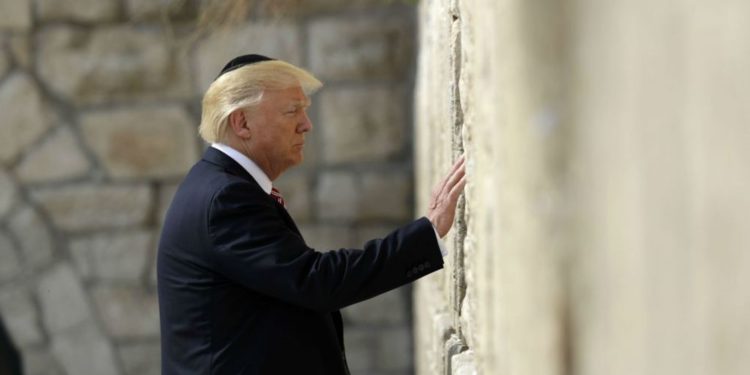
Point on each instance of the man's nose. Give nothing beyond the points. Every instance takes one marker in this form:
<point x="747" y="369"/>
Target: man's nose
<point x="306" y="125"/>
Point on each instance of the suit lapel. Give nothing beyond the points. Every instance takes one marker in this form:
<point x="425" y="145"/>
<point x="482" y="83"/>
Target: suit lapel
<point x="219" y="158"/>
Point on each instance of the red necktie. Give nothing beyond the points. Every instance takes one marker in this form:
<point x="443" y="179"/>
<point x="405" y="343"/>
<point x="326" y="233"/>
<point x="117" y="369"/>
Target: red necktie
<point x="276" y="195"/>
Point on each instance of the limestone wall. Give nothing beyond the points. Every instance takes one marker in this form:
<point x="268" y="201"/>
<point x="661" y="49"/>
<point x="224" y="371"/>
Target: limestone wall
<point x="99" y="107"/>
<point x="604" y="227"/>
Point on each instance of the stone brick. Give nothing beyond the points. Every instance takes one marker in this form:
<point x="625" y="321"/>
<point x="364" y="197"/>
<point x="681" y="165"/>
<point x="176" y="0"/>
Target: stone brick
<point x="463" y="364"/>
<point x="15" y="15"/>
<point x="386" y="195"/>
<point x="337" y="196"/>
<point x="360" y="346"/>
<point x="394" y="349"/>
<point x="110" y="63"/>
<point x="57" y="158"/>
<point x="10" y="264"/>
<point x="325" y="237"/>
<point x="157" y="10"/>
<point x="296" y="189"/>
<point x="142" y="143"/>
<point x="113" y="257"/>
<point x="24" y="118"/>
<point x="140" y="358"/>
<point x="166" y="194"/>
<point x="39" y="361"/>
<point x="300" y="8"/>
<point x="127" y="312"/>
<point x="4" y="62"/>
<point x="19" y="45"/>
<point x="85" y="350"/>
<point x="63" y="300"/>
<point x="360" y="124"/>
<point x="33" y="236"/>
<point x="20" y="318"/>
<point x="77" y="10"/>
<point x="278" y="40"/>
<point x="388" y="309"/>
<point x="90" y="206"/>
<point x="8" y="193"/>
<point x="362" y="48"/>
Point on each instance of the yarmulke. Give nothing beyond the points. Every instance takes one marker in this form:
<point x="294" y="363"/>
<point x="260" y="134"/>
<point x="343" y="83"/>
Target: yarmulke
<point x="243" y="60"/>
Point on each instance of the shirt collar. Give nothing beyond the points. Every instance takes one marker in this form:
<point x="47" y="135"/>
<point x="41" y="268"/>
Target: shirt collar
<point x="260" y="177"/>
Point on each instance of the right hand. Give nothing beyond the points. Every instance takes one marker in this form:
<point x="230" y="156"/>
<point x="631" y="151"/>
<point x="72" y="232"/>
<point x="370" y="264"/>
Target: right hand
<point x="444" y="198"/>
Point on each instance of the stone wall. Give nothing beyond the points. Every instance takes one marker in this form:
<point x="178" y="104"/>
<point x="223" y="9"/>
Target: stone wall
<point x="99" y="107"/>
<point x="604" y="227"/>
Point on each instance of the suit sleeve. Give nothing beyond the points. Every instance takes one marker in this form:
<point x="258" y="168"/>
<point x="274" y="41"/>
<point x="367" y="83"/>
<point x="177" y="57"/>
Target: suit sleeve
<point x="251" y="244"/>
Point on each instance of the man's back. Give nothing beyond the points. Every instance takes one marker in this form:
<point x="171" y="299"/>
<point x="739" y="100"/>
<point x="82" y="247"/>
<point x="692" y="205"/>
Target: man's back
<point x="241" y="293"/>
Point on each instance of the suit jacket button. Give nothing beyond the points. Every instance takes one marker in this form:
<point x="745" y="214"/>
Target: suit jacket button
<point x="408" y="274"/>
<point x="426" y="264"/>
<point x="420" y="268"/>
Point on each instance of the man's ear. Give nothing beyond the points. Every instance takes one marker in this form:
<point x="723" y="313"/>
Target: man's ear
<point x="238" y="124"/>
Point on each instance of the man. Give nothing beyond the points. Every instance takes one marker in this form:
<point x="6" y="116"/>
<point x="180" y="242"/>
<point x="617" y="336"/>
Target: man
<point x="240" y="292"/>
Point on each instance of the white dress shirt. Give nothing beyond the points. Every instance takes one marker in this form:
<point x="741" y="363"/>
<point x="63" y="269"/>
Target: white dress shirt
<point x="265" y="183"/>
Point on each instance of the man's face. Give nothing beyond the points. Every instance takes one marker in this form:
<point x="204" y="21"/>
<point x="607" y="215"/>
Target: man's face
<point x="277" y="127"/>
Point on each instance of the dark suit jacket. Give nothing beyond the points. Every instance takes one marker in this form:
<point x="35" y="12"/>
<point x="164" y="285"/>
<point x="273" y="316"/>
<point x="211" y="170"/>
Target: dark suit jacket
<point x="241" y="293"/>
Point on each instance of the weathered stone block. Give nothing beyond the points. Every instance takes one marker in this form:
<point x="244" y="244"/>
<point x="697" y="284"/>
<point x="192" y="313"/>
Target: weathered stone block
<point x="325" y="237"/>
<point x="386" y="195"/>
<point x="4" y="62"/>
<point x="77" y="10"/>
<point x="8" y="193"/>
<point x="24" y="118"/>
<point x="39" y="361"/>
<point x="127" y="312"/>
<point x="337" y="196"/>
<point x="295" y="187"/>
<point x="360" y="346"/>
<point x="20" y="317"/>
<point x="33" y="236"/>
<point x="142" y="143"/>
<point x="10" y="264"/>
<point x="19" y="45"/>
<point x="387" y="309"/>
<point x="57" y="158"/>
<point x="394" y="349"/>
<point x="15" y="15"/>
<point x="89" y="206"/>
<point x="278" y="40"/>
<point x="110" y="63"/>
<point x="62" y="298"/>
<point x="159" y="9"/>
<point x="113" y="257"/>
<point x="463" y="364"/>
<point x="362" y="124"/>
<point x="166" y="194"/>
<point x="85" y="350"/>
<point x="300" y="8"/>
<point x="141" y="358"/>
<point x="362" y="48"/>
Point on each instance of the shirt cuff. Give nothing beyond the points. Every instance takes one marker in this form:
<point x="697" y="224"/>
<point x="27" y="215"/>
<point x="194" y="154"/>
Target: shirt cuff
<point x="443" y="250"/>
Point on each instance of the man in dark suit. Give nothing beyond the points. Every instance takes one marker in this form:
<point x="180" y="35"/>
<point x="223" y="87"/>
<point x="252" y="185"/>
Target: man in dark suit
<point x="240" y="292"/>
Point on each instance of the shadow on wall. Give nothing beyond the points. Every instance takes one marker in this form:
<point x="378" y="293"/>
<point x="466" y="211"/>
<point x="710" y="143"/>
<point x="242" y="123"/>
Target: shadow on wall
<point x="10" y="362"/>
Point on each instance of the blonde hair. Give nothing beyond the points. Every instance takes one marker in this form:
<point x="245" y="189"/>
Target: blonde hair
<point x="243" y="88"/>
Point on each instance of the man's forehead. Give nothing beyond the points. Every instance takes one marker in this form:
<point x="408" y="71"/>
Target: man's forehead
<point x="288" y="95"/>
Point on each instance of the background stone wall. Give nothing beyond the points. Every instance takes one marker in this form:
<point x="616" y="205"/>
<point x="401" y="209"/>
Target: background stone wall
<point x="604" y="227"/>
<point x="99" y="107"/>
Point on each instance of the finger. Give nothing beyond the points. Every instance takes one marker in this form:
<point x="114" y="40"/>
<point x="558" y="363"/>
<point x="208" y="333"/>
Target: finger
<point x="457" y="189"/>
<point x="440" y="188"/>
<point x="457" y="165"/>
<point x="453" y="179"/>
